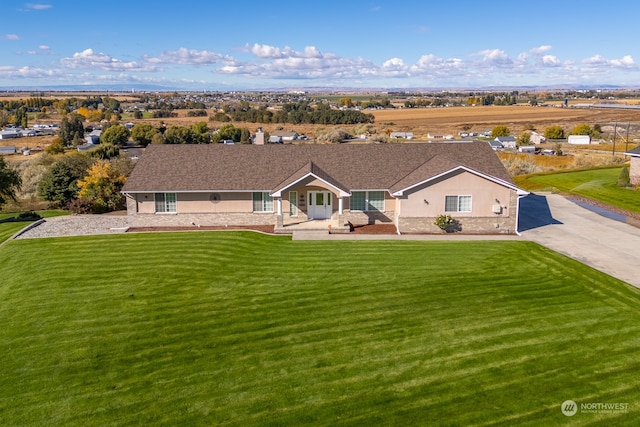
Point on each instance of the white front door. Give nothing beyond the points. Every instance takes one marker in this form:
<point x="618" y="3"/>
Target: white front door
<point x="319" y="204"/>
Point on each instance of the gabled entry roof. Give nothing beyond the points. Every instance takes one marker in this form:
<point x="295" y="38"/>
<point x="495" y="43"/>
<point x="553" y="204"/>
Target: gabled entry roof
<point x="273" y="168"/>
<point x="310" y="170"/>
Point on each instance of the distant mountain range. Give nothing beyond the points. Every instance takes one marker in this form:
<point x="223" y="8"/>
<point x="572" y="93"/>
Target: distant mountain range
<point x="311" y="89"/>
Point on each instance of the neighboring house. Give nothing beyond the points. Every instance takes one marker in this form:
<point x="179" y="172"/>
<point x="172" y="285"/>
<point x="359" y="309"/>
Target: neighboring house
<point x="527" y="149"/>
<point x="86" y="147"/>
<point x="437" y="136"/>
<point x="286" y="136"/>
<point x="634" y="168"/>
<point x="327" y="185"/>
<point x="506" y="141"/>
<point x="536" y="138"/>
<point x="274" y="139"/>
<point x="401" y="135"/>
<point x="495" y="145"/>
<point x="579" y="139"/>
<point x="9" y="134"/>
<point x="10" y="149"/>
<point x="93" y="137"/>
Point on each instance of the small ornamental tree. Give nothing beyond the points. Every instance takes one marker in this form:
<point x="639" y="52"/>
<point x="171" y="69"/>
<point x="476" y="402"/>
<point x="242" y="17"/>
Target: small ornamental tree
<point x="102" y="187"/>
<point x="554" y="132"/>
<point x="583" y="129"/>
<point x="143" y="133"/>
<point x="524" y="139"/>
<point x="116" y="135"/>
<point x="624" y="179"/>
<point x="500" y="130"/>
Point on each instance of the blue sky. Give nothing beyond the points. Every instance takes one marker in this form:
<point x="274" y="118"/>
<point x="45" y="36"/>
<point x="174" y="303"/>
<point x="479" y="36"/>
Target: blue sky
<point x="240" y="45"/>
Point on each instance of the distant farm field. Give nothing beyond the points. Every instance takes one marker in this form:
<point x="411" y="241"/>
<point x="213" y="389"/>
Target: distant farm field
<point x="242" y="329"/>
<point x="453" y="119"/>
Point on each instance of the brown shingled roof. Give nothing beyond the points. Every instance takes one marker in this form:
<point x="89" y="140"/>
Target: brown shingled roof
<point x="219" y="167"/>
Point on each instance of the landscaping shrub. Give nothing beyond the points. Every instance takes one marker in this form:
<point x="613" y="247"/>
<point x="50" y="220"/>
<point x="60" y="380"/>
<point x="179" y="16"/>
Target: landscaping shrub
<point x="624" y="179"/>
<point x="28" y="216"/>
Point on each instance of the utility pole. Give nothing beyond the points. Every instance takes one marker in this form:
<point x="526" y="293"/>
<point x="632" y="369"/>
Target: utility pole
<point x="615" y="132"/>
<point x="626" y="144"/>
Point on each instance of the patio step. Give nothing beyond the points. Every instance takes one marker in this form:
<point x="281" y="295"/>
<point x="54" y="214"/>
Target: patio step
<point x="309" y="234"/>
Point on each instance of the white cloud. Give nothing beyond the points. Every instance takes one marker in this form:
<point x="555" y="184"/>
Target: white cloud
<point x="12" y="37"/>
<point x="184" y="56"/>
<point x="494" y="56"/>
<point x="42" y="50"/>
<point x="540" y="50"/>
<point x="624" y="62"/>
<point x="100" y="61"/>
<point x="38" y="6"/>
<point x="266" y="51"/>
<point x="596" y="61"/>
<point x="9" y="72"/>
<point x="550" y="60"/>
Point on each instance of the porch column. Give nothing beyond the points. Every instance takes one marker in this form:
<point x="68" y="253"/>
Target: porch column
<point x="279" y="202"/>
<point x="340" y="206"/>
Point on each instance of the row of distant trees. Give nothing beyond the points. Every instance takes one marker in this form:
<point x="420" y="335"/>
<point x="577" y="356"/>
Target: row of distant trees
<point x="552" y="132"/>
<point x="296" y="113"/>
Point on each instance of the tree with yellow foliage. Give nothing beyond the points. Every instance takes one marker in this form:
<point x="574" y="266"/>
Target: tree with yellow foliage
<point x="83" y="111"/>
<point x="101" y="187"/>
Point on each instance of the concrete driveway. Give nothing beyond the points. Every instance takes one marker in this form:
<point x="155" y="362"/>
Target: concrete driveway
<point x="599" y="241"/>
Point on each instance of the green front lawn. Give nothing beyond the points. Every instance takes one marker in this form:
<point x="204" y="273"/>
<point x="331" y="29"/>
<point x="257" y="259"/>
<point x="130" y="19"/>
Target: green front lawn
<point x="596" y="184"/>
<point x="242" y="329"/>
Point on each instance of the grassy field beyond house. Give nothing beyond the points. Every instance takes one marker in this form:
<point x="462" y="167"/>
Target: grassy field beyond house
<point x="597" y="184"/>
<point x="242" y="329"/>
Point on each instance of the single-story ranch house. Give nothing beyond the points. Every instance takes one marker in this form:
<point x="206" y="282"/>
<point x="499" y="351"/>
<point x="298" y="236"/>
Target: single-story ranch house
<point x="332" y="186"/>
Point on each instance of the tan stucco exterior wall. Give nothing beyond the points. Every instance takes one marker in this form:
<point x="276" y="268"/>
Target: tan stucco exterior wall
<point x="634" y="171"/>
<point x="198" y="203"/>
<point x="227" y="202"/>
<point x="430" y="200"/>
<point x="419" y="207"/>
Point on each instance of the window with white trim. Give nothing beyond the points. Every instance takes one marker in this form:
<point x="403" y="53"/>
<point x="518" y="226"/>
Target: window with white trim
<point x="367" y="201"/>
<point x="293" y="203"/>
<point x="457" y="204"/>
<point x="165" y="202"/>
<point x="262" y="202"/>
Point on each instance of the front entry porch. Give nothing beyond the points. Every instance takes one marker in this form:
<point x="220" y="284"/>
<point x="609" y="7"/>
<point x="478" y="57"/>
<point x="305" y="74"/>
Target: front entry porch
<point x="319" y="225"/>
<point x="310" y="209"/>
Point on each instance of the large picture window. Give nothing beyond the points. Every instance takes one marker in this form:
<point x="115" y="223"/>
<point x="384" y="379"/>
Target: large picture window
<point x="457" y="204"/>
<point x="262" y="202"/>
<point x="165" y="202"/>
<point x="367" y="201"/>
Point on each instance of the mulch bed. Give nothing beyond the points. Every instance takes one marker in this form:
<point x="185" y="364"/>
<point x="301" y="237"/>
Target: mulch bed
<point x="357" y="229"/>
<point x="261" y="228"/>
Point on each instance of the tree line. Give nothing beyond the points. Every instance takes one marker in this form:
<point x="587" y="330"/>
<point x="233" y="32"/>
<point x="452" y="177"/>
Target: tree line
<point x="296" y="113"/>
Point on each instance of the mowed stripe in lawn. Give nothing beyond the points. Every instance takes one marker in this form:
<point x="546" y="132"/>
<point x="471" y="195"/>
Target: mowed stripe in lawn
<point x="246" y="329"/>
